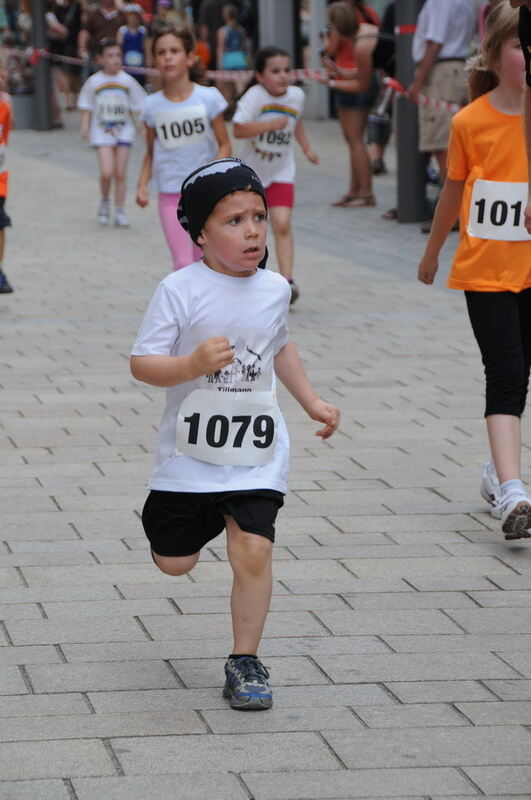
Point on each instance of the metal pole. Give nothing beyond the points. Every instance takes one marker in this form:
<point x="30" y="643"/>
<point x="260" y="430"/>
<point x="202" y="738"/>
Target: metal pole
<point x="42" y="115"/>
<point x="412" y="202"/>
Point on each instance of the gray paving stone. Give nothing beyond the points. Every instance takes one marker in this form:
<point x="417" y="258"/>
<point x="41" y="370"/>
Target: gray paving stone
<point x="510" y="690"/>
<point x="460" y="643"/>
<point x="410" y="600"/>
<point x="414" y="666"/>
<point x="419" y="715"/>
<point x="33" y="705"/>
<point x="420" y="567"/>
<point x="493" y="620"/>
<point x="23" y="594"/>
<point x="382" y="621"/>
<point x="511" y="779"/>
<point x="100" y="629"/>
<point x="441" y="691"/>
<point x="45" y="654"/>
<point x="34" y="790"/>
<point x="193" y="787"/>
<point x="185" y="754"/>
<point x="106" y="608"/>
<point x="357" y="783"/>
<point x="505" y="713"/>
<point x="8" y="578"/>
<point x="454" y="584"/>
<point x="12" y="682"/>
<point x="347" y="584"/>
<point x="101" y="676"/>
<point x="101" y="726"/>
<point x="508" y="599"/>
<point x="25" y="760"/>
<point x="282" y="719"/>
<point x="430" y="747"/>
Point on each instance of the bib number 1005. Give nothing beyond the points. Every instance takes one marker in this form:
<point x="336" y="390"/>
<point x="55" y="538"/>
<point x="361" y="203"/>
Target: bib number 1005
<point x="219" y="429"/>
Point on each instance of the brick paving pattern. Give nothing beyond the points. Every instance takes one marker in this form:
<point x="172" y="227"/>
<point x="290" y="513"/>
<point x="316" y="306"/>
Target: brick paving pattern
<point x="399" y="639"/>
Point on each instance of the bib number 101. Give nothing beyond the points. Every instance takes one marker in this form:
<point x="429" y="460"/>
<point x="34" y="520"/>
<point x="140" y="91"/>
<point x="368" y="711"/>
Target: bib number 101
<point x="500" y="212"/>
<point x="220" y="428"/>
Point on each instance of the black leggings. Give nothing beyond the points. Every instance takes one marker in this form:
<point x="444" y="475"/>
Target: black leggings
<point x="501" y="322"/>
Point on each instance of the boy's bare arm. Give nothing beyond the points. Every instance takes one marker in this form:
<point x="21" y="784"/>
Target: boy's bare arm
<point x="289" y="369"/>
<point x="209" y="356"/>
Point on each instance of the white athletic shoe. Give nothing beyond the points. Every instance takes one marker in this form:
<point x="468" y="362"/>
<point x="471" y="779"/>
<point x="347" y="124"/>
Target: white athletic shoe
<point x="516" y="515"/>
<point x="120" y="220"/>
<point x="490" y="489"/>
<point x="104" y="212"/>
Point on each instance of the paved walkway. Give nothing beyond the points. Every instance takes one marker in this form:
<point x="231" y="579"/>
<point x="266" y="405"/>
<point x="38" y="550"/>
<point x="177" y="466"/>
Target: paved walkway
<point x="399" y="639"/>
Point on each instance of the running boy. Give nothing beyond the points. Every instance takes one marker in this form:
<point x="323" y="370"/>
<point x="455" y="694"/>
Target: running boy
<point x="215" y="335"/>
<point x="107" y="101"/>
<point x="5" y="128"/>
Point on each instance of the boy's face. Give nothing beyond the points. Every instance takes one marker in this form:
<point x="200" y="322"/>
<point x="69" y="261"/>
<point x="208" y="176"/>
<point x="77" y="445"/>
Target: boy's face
<point x="234" y="236"/>
<point x="111" y="59"/>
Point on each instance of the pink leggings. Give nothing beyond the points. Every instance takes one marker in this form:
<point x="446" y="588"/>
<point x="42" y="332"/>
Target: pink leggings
<point x="182" y="249"/>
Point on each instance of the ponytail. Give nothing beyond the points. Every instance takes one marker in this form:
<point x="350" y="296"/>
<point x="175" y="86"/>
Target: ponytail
<point x="501" y="24"/>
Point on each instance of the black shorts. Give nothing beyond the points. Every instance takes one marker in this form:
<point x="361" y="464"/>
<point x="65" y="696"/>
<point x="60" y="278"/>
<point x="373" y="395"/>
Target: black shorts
<point x="5" y="220"/>
<point x="181" y="523"/>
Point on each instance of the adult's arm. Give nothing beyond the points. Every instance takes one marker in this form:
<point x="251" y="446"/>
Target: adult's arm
<point x="424" y="68"/>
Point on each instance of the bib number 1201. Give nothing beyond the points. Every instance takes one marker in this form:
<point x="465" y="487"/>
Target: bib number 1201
<point x="219" y="428"/>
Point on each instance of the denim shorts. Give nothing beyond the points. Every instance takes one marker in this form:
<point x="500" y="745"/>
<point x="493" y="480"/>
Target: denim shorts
<point x="359" y="101"/>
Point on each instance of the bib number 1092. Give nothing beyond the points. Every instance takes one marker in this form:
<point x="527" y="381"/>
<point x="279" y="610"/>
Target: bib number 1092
<point x="219" y="428"/>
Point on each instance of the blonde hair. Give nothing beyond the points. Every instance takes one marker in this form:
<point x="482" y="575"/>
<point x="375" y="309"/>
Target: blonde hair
<point x="501" y="24"/>
<point x="343" y="18"/>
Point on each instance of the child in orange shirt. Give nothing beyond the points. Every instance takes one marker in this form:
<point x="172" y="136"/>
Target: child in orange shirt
<point x="5" y="127"/>
<point x="487" y="186"/>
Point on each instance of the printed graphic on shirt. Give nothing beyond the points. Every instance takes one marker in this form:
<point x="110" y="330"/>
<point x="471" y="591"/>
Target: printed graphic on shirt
<point x="245" y="368"/>
<point x="112" y="106"/>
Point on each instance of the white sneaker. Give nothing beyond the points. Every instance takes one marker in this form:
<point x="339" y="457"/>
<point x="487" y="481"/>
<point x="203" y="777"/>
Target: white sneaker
<point x="490" y="489"/>
<point x="120" y="220"/>
<point x="104" y="212"/>
<point x="516" y="515"/>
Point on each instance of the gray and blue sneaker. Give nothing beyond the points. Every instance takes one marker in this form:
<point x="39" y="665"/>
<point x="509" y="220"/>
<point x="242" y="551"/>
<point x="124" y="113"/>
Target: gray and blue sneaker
<point x="246" y="684"/>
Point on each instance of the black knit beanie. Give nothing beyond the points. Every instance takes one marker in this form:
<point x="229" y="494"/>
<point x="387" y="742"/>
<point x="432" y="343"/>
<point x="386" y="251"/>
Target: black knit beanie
<point x="206" y="186"/>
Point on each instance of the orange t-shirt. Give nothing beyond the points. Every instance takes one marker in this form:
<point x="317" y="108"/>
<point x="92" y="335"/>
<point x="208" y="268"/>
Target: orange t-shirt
<point x="487" y="145"/>
<point x="5" y="127"/>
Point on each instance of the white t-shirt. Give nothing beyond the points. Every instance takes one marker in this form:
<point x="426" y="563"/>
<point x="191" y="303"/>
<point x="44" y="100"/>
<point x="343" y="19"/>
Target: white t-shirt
<point x="270" y="154"/>
<point x="111" y="99"/>
<point x="451" y="23"/>
<point x="184" y="138"/>
<point x="194" y="304"/>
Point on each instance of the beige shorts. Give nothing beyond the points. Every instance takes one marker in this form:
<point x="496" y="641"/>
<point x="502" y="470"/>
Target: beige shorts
<point x="446" y="81"/>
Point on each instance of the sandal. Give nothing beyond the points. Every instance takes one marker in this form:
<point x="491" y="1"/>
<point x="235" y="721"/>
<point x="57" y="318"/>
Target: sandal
<point x="391" y="214"/>
<point x="347" y="198"/>
<point x="360" y="201"/>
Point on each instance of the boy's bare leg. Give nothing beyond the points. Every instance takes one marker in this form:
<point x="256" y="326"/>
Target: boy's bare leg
<point x="250" y="557"/>
<point x="121" y="157"/>
<point x="106" y="163"/>
<point x="281" y="223"/>
<point x="175" y="565"/>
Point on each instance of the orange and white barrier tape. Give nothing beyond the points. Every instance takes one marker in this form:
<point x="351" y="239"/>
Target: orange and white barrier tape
<point x="432" y="102"/>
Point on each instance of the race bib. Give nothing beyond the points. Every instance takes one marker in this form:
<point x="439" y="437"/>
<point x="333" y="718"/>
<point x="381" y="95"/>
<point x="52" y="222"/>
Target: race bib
<point x="3" y="158"/>
<point x="181" y="126"/>
<point x="497" y="211"/>
<point x="112" y="108"/>
<point x="272" y="145"/>
<point x="228" y="428"/>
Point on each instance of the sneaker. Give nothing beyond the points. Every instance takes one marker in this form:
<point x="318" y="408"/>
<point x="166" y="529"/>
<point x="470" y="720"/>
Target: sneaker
<point x="516" y="515"/>
<point x="294" y="292"/>
<point x="490" y="489"/>
<point x="5" y="286"/>
<point x="246" y="684"/>
<point x="104" y="212"/>
<point x="120" y="220"/>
